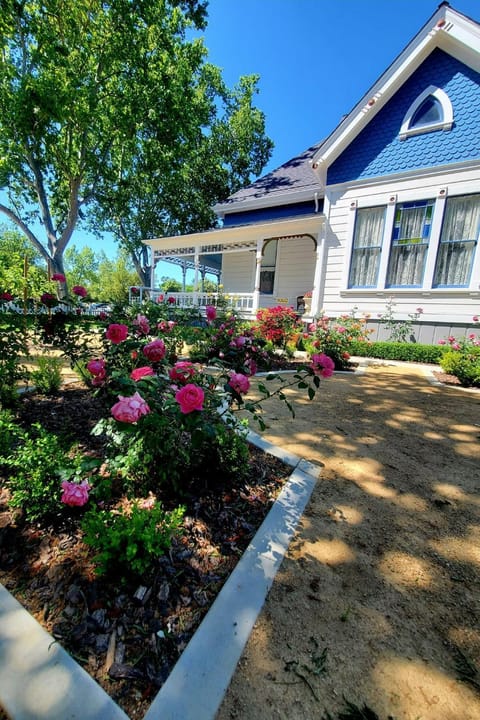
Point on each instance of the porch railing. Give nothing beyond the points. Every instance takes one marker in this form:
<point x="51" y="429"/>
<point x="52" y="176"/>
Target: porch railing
<point x="241" y="302"/>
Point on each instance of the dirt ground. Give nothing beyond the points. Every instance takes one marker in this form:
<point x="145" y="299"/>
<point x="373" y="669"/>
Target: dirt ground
<point x="377" y="602"/>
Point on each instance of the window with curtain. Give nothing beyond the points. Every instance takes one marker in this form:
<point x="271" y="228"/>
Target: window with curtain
<point x="410" y="239"/>
<point x="367" y="247"/>
<point x="267" y="270"/>
<point x="458" y="239"/>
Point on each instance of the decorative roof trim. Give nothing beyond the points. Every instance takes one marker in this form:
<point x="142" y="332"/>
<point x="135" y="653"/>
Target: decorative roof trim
<point x="301" y="225"/>
<point x="446" y="29"/>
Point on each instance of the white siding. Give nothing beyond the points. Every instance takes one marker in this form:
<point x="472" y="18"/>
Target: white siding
<point x="439" y="305"/>
<point x="295" y="268"/>
<point x="238" y="272"/>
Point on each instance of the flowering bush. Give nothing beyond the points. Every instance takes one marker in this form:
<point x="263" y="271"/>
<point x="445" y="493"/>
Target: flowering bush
<point x="233" y="343"/>
<point x="463" y="358"/>
<point x="278" y="325"/>
<point x="334" y="337"/>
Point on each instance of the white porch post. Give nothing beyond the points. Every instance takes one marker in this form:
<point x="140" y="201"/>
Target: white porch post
<point x="317" y="278"/>
<point x="197" y="266"/>
<point x="152" y="263"/>
<point x="184" y="276"/>
<point x="258" y="268"/>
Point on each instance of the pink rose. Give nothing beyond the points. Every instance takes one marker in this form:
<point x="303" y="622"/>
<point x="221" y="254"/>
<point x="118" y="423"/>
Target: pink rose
<point x="141" y="322"/>
<point x="59" y="277"/>
<point x="116" y="333"/>
<point x="130" y="409"/>
<point x="322" y="365"/>
<point x="190" y="398"/>
<point x="80" y="291"/>
<point x="251" y="366"/>
<point x="141" y="372"/>
<point x="475" y="318"/>
<point x="441" y="342"/>
<point x="182" y="372"/>
<point x="75" y="494"/>
<point x="96" y="367"/>
<point x="155" y="350"/>
<point x="211" y="313"/>
<point x="172" y="300"/>
<point x="238" y="382"/>
<point x="6" y="296"/>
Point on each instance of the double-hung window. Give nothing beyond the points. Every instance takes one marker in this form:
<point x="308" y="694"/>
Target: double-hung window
<point x="409" y="247"/>
<point x="458" y="240"/>
<point x="367" y="247"/>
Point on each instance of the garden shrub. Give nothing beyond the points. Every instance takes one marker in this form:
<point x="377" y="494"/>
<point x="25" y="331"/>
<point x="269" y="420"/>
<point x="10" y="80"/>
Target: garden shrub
<point x="34" y="473"/>
<point x="462" y="359"/>
<point x="336" y="337"/>
<point x="131" y="538"/>
<point x="13" y="350"/>
<point x="408" y="352"/>
<point x="278" y="325"/>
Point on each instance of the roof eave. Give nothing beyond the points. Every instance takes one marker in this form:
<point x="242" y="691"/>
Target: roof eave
<point x="269" y="200"/>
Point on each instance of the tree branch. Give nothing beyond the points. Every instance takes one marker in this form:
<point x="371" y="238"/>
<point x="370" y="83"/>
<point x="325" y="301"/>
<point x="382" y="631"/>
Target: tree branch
<point x="26" y="231"/>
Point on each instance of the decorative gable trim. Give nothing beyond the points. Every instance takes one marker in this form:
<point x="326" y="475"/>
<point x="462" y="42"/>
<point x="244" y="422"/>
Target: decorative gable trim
<point x="448" y="30"/>
<point x="447" y="110"/>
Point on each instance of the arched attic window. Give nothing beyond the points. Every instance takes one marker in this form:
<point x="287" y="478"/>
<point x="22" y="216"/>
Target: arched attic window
<point x="432" y="110"/>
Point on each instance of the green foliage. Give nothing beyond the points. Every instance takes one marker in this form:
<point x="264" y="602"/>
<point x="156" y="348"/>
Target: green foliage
<point x="35" y="468"/>
<point x="131" y="539"/>
<point x="464" y="364"/>
<point x="13" y="350"/>
<point x="47" y="378"/>
<point x="73" y="74"/>
<point x="10" y="434"/>
<point x="408" y="352"/>
<point x="75" y="336"/>
<point x="22" y="269"/>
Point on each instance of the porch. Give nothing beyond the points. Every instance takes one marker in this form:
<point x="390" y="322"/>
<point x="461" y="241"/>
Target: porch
<point x="245" y="305"/>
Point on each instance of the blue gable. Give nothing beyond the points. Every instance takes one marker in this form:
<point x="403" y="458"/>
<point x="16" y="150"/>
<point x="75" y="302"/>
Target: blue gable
<point x="378" y="150"/>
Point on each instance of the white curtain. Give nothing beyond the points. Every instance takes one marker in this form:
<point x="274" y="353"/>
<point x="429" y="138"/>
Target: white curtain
<point x="409" y="247"/>
<point x="367" y="245"/>
<point x="459" y="236"/>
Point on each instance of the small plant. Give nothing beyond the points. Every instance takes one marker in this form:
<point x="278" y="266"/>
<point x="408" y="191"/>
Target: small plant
<point x="131" y="538"/>
<point x="35" y="468"/>
<point x="47" y="378"/>
<point x="400" y="330"/>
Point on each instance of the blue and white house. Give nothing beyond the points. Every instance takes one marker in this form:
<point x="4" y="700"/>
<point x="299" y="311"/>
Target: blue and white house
<point x="385" y="210"/>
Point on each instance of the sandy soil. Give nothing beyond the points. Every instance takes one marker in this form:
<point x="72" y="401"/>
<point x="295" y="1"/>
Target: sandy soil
<point x="377" y="602"/>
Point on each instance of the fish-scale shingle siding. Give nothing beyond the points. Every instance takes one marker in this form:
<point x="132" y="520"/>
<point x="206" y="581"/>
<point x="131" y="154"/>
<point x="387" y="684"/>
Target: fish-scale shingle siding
<point x="378" y="151"/>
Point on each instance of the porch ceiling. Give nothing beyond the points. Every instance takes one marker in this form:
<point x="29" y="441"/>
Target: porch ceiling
<point x="238" y="234"/>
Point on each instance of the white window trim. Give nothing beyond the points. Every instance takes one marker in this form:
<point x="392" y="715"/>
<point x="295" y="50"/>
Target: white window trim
<point x="390" y="203"/>
<point x="447" y="108"/>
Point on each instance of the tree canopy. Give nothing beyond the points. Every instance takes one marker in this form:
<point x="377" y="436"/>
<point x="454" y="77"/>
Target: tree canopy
<point x="112" y="117"/>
